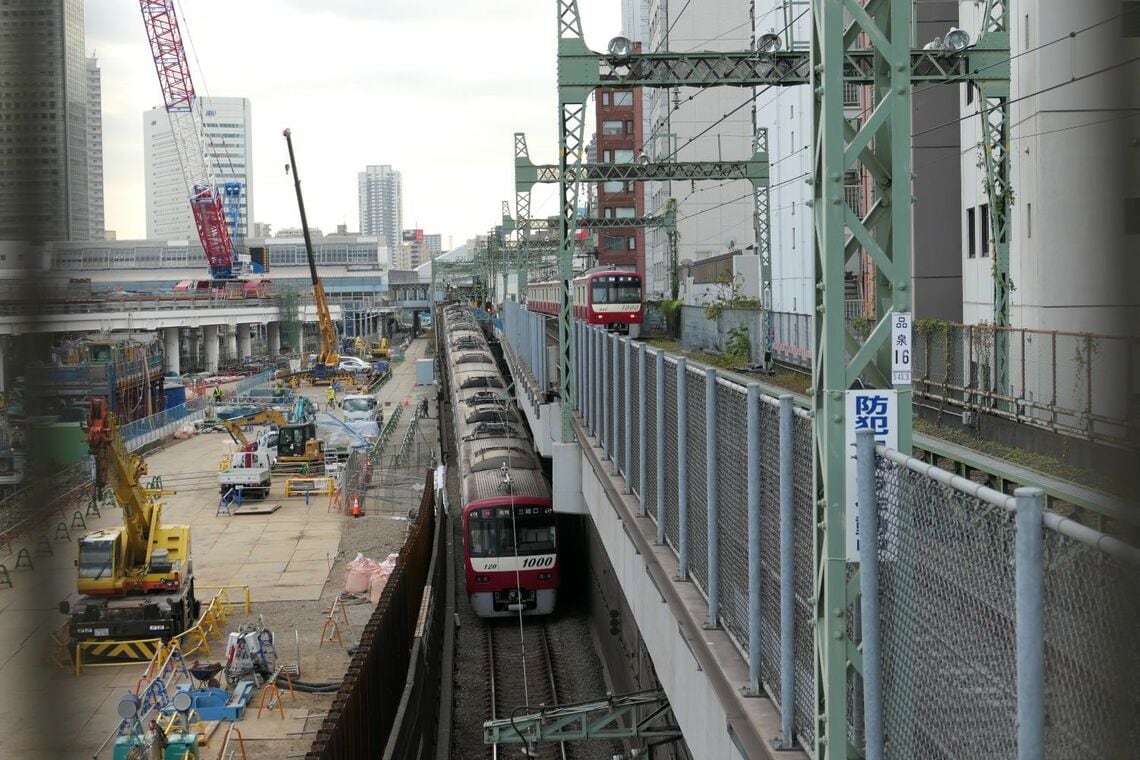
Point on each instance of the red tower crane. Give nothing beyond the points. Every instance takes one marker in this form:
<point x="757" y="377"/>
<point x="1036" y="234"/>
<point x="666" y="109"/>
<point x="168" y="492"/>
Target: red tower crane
<point x="183" y="108"/>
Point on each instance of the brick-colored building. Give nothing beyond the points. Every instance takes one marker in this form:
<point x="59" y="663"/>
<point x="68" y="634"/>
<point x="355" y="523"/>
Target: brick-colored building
<point x="619" y="140"/>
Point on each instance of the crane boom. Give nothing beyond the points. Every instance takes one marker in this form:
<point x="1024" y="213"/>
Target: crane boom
<point x="328" y="356"/>
<point x="183" y="109"/>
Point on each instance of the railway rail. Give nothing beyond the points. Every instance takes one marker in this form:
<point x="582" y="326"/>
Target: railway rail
<point x="521" y="683"/>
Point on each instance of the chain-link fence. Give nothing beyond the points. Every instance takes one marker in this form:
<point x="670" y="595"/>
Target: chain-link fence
<point x="947" y="559"/>
<point x="958" y="636"/>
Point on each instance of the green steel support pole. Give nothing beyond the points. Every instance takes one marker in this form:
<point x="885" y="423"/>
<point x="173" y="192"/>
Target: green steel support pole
<point x="886" y="234"/>
<point x="762" y="224"/>
<point x="994" y="106"/>
<point x="571" y="143"/>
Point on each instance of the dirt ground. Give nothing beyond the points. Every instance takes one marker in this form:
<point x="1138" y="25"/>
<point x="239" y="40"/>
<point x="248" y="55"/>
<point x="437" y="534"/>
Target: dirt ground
<point x="298" y="625"/>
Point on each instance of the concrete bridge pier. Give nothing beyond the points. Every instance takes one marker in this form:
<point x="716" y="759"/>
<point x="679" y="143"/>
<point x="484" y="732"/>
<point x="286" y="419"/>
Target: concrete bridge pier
<point x="273" y="337"/>
<point x="242" y="339"/>
<point x="211" y="337"/>
<point x="231" y="342"/>
<point x="192" y="347"/>
<point x="172" y="349"/>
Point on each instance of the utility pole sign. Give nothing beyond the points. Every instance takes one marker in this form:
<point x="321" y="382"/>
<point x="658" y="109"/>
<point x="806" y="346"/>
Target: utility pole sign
<point x="902" y="345"/>
<point x="878" y="411"/>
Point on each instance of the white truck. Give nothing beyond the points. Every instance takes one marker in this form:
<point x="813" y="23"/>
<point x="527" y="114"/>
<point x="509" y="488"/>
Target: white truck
<point x="359" y="407"/>
<point x="249" y="470"/>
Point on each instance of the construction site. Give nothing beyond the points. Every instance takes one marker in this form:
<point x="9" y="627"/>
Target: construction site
<point x="257" y="668"/>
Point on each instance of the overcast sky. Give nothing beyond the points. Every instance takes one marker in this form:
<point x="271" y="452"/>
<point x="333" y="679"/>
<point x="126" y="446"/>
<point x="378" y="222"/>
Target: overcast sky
<point x="436" y="88"/>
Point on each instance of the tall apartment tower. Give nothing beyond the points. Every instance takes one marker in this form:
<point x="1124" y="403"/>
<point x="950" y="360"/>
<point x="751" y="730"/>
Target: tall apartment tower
<point x="619" y="141"/>
<point x="95" y="148"/>
<point x="381" y="199"/>
<point x="434" y="244"/>
<point x="43" y="105"/>
<point x="227" y="126"/>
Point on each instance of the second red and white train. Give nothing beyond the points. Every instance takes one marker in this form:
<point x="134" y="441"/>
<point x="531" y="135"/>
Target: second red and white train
<point x="600" y="296"/>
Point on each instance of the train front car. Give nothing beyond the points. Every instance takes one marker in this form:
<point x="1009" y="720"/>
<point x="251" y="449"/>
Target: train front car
<point x="609" y="297"/>
<point x="509" y="535"/>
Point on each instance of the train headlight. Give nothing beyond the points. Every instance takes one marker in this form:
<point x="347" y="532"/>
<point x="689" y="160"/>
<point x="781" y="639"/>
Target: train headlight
<point x="545" y="576"/>
<point x="482" y="579"/>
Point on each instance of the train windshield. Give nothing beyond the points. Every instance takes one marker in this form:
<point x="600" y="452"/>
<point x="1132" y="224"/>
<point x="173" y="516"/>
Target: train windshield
<point x="622" y="288"/>
<point x="491" y="534"/>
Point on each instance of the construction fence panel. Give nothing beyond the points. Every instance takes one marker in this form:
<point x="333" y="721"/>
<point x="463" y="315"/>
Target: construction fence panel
<point x="673" y="458"/>
<point x="696" y="465"/>
<point x="803" y="579"/>
<point x="731" y="478"/>
<point x="649" y="491"/>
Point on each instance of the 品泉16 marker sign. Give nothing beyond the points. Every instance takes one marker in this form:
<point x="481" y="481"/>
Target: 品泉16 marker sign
<point x="878" y="411"/>
<point x="902" y="348"/>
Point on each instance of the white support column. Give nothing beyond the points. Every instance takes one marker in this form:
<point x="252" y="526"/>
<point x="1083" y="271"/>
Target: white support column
<point x="243" y="341"/>
<point x="273" y="337"/>
<point x="173" y="348"/>
<point x="231" y="342"/>
<point x="211" y="337"/>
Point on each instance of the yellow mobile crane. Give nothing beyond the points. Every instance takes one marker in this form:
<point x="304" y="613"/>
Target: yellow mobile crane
<point x="137" y="580"/>
<point x="327" y="365"/>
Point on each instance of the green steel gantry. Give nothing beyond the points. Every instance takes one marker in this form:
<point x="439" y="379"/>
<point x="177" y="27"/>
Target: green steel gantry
<point x="881" y="146"/>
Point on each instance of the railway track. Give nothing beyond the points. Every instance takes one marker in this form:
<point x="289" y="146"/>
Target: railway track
<point x="521" y="676"/>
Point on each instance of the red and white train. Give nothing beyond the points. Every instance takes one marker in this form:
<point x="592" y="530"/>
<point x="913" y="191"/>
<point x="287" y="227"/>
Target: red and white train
<point x="600" y="296"/>
<point x="510" y="537"/>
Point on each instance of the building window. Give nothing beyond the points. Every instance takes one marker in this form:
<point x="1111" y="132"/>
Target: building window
<point x="631" y="243"/>
<point x="623" y="98"/>
<point x="971" y="234"/>
<point x="984" y="213"/>
<point x="623" y="156"/>
<point x="626" y="212"/>
<point x="612" y="127"/>
<point x="605" y="98"/>
<point x="615" y="244"/>
<point x="969" y="92"/>
<point x="607" y="156"/>
<point x="613" y="186"/>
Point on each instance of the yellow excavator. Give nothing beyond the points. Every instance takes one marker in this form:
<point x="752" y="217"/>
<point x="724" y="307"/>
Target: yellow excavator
<point x="137" y="580"/>
<point x="296" y="442"/>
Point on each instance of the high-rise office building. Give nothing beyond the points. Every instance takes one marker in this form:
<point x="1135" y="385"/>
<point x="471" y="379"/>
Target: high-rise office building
<point x="43" y="105"/>
<point x="380" y="192"/>
<point x="227" y="128"/>
<point x="434" y="244"/>
<point x="95" y="148"/>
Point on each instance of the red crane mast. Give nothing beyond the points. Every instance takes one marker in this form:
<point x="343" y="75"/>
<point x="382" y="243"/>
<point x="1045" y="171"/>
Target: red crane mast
<point x="183" y="109"/>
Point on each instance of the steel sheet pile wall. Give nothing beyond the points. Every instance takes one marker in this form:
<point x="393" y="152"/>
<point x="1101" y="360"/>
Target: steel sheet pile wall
<point x="363" y="712"/>
<point x="414" y="733"/>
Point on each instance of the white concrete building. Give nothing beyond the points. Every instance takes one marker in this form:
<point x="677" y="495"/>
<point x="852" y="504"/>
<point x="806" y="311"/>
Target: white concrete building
<point x="1075" y="219"/>
<point x="1070" y="152"/>
<point x="713" y="217"/>
<point x="380" y="192"/>
<point x="227" y="128"/>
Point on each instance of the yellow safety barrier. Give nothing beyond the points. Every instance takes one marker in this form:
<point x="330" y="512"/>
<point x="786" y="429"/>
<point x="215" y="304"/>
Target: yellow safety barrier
<point x="223" y="594"/>
<point x="302" y="486"/>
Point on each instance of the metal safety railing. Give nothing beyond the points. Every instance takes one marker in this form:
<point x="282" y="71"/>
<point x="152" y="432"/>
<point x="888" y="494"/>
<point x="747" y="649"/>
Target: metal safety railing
<point x="961" y="607"/>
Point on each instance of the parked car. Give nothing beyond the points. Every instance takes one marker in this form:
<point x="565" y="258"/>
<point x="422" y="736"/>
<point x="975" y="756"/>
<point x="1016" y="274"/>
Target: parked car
<point x="354" y="364"/>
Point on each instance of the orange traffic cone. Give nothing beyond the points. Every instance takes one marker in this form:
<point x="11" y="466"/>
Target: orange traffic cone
<point x="356" y="511"/>
<point x="405" y="400"/>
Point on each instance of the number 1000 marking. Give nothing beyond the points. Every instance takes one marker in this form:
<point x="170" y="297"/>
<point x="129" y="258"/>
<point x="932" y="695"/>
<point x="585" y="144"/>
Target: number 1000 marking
<point x="538" y="562"/>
